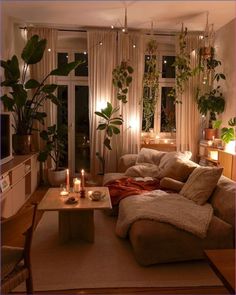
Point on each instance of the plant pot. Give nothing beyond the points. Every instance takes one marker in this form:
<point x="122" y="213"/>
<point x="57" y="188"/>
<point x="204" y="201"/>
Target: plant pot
<point x="210" y="133"/>
<point x="206" y="52"/>
<point x="22" y="144"/>
<point x="56" y="178"/>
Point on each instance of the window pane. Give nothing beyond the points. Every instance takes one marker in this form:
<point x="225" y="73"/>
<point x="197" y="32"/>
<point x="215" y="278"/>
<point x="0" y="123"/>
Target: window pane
<point x="82" y="70"/>
<point x="82" y="144"/>
<point x="168" y="71"/>
<point x="62" y="118"/>
<point x="167" y="111"/>
<point x="62" y="58"/>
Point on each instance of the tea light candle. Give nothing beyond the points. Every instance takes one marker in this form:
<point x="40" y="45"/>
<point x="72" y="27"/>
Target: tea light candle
<point x="82" y="179"/>
<point x="214" y="155"/>
<point x="67" y="180"/>
<point x="76" y="186"/>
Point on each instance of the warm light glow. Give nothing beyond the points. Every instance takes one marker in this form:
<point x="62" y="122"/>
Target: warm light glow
<point x="76" y="185"/>
<point x="165" y="61"/>
<point x="201" y="37"/>
<point x="214" y="155"/>
<point x="100" y="43"/>
<point x="166" y="141"/>
<point x="102" y="104"/>
<point x="231" y="147"/>
<point x="85" y="52"/>
<point x="134" y="46"/>
<point x="133" y="123"/>
<point x="157" y="136"/>
<point x="112" y="27"/>
<point x="49" y="49"/>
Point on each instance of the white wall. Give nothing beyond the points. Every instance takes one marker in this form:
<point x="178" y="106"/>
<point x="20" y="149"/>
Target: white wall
<point x="225" y="52"/>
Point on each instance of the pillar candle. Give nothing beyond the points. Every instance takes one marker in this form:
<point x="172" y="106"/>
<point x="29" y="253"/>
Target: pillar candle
<point x="76" y="186"/>
<point x="82" y="179"/>
<point x="67" y="180"/>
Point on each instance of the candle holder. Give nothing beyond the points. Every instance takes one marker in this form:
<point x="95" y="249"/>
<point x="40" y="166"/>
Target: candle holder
<point x="82" y="193"/>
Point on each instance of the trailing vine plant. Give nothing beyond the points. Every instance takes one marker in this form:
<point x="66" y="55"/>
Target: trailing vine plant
<point x="150" y="85"/>
<point x="183" y="68"/>
<point x="111" y="122"/>
<point x="121" y="79"/>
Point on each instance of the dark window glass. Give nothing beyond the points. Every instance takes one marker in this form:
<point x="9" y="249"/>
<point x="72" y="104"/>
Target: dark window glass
<point x="168" y="71"/>
<point x="62" y="58"/>
<point x="167" y="111"/>
<point x="82" y="143"/>
<point x="82" y="70"/>
<point x="62" y="118"/>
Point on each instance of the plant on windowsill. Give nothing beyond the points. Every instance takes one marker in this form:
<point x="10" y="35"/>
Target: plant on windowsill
<point x="26" y="97"/>
<point x="150" y="86"/>
<point x="110" y="126"/>
<point x="55" y="141"/>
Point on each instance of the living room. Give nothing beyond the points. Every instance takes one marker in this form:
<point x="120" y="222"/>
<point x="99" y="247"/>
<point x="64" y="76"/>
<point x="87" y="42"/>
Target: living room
<point x="130" y="98"/>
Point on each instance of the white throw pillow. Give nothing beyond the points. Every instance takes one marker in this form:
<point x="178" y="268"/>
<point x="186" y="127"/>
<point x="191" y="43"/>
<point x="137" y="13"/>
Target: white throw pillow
<point x="149" y="156"/>
<point x="168" y="157"/>
<point x="201" y="184"/>
<point x="143" y="170"/>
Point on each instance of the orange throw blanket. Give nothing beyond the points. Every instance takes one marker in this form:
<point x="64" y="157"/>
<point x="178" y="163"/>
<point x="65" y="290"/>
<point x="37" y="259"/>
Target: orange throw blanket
<point x="124" y="187"/>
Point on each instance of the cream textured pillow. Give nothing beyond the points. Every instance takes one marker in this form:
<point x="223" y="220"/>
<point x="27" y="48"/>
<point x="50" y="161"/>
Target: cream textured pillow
<point x="149" y="156"/>
<point x="174" y="155"/>
<point x="201" y="184"/>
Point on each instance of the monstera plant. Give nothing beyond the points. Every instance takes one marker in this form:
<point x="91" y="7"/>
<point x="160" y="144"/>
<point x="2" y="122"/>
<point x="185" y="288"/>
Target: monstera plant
<point x="26" y="96"/>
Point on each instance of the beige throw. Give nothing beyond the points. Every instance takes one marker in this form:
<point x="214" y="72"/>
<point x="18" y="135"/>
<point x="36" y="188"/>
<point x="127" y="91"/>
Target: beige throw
<point x="161" y="206"/>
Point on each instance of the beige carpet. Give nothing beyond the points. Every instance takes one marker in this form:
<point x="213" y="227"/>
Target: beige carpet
<point x="109" y="262"/>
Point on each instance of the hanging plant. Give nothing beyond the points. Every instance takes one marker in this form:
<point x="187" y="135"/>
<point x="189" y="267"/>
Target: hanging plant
<point x="183" y="68"/>
<point x="150" y="86"/>
<point x="121" y="79"/>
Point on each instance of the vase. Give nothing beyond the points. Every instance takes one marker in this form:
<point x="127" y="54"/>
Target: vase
<point x="56" y="178"/>
<point x="22" y="144"/>
<point x="210" y="133"/>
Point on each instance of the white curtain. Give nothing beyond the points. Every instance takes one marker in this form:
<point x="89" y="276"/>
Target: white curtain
<point x="131" y="49"/>
<point x="102" y="60"/>
<point x="41" y="69"/>
<point x="187" y="114"/>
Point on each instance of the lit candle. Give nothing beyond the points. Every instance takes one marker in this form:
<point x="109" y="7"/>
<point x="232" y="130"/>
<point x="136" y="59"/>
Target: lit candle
<point x="76" y="186"/>
<point x="67" y="180"/>
<point x="82" y="179"/>
<point x="213" y="137"/>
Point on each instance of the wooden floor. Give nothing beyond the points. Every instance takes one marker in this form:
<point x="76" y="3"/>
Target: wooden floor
<point x="38" y="195"/>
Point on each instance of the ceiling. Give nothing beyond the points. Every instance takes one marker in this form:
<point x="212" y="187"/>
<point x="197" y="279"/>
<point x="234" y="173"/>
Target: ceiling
<point x="165" y="15"/>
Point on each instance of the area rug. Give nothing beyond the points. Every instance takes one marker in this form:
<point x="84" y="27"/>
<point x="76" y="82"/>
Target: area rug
<point x="108" y="262"/>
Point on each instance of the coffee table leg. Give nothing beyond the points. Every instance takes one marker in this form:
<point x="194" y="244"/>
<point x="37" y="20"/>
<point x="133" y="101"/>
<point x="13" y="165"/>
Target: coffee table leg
<point x="74" y="224"/>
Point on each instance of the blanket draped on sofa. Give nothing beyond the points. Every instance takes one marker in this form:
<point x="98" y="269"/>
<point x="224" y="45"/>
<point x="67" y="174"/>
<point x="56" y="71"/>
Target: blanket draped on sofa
<point x="164" y="207"/>
<point x="124" y="187"/>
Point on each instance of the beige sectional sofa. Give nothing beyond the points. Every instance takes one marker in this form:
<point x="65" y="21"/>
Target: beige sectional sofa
<point x="157" y="242"/>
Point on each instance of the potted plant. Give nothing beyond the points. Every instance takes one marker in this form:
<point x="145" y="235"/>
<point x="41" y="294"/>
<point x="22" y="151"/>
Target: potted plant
<point x="210" y="99"/>
<point x="26" y="96"/>
<point x="55" y="142"/>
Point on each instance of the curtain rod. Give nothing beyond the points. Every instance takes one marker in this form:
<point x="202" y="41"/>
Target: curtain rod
<point x="84" y="31"/>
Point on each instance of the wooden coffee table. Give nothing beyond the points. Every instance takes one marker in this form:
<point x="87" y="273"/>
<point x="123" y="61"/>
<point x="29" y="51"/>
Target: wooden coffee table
<point x="75" y="220"/>
<point x="222" y="262"/>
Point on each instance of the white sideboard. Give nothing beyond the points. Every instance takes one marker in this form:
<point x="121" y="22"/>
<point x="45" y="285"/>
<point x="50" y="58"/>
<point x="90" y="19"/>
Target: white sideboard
<point x="20" y="177"/>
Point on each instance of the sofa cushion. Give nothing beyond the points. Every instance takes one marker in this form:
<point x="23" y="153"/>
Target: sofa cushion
<point x="201" y="184"/>
<point x="178" y="169"/>
<point x="149" y="156"/>
<point x="157" y="242"/>
<point x="165" y="160"/>
<point x="171" y="184"/>
<point x="223" y="200"/>
<point x="126" y="161"/>
<point x="143" y="170"/>
<point x="11" y="256"/>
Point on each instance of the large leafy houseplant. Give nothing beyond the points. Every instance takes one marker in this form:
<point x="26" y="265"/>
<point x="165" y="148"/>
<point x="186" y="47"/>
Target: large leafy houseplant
<point x="110" y="126"/>
<point x="55" y="139"/>
<point x="25" y="97"/>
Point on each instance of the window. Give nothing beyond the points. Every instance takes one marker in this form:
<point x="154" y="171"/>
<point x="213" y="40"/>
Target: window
<point x="73" y="91"/>
<point x="164" y="119"/>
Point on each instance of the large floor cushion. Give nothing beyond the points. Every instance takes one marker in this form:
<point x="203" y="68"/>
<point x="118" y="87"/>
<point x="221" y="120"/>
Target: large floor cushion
<point x="157" y="242"/>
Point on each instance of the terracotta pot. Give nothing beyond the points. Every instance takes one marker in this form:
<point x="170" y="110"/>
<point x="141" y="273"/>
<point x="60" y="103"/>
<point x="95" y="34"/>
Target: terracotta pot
<point x="22" y="144"/>
<point x="207" y="52"/>
<point x="210" y="133"/>
<point x="56" y="178"/>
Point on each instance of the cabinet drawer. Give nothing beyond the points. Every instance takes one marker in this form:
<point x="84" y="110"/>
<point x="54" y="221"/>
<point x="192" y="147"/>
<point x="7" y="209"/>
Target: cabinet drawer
<point x="18" y="173"/>
<point x="18" y="195"/>
<point x="6" y="205"/>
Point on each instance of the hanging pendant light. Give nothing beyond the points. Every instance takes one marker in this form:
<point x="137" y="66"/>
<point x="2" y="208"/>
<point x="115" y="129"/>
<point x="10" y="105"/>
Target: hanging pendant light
<point x="125" y="28"/>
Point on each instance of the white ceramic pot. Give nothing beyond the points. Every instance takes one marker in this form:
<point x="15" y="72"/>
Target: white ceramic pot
<point x="56" y="178"/>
